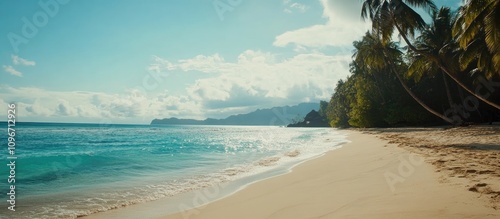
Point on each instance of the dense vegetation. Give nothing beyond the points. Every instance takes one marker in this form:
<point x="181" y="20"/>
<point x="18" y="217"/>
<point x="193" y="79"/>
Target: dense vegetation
<point x="448" y="72"/>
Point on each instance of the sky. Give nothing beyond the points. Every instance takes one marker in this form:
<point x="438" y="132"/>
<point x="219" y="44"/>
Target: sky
<point x="130" y="61"/>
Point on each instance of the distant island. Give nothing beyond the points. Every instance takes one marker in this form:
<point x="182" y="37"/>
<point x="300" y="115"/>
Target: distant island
<point x="312" y="119"/>
<point x="278" y="116"/>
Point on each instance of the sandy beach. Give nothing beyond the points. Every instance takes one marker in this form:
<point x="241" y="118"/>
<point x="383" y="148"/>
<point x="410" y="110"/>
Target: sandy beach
<point x="468" y="153"/>
<point x="382" y="173"/>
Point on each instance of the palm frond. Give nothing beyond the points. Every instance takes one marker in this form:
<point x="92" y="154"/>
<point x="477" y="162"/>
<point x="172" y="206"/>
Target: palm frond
<point x="366" y="10"/>
<point x="409" y="20"/>
<point x="419" y="67"/>
<point x="474" y="10"/>
<point x="470" y="54"/>
<point x="492" y="33"/>
<point x="469" y="33"/>
<point x="458" y="26"/>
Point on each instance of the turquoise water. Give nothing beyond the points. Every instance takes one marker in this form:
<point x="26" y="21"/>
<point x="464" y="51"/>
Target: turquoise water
<point x="70" y="170"/>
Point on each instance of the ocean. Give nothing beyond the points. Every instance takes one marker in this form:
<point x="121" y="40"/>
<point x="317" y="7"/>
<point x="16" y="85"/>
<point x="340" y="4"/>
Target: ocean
<point x="72" y="170"/>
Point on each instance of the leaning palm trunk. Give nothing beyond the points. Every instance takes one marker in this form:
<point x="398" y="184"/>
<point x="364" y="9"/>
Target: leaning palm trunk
<point x="445" y="70"/>
<point x="450" y="99"/>
<point x="447" y="87"/>
<point x="418" y="100"/>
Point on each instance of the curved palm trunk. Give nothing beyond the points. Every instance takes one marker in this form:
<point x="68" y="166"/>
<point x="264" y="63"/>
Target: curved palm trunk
<point x="419" y="101"/>
<point x="450" y="99"/>
<point x="442" y="67"/>
<point x="448" y="93"/>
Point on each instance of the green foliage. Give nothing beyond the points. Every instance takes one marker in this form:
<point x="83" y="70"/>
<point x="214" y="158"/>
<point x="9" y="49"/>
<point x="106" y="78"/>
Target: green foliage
<point x="386" y="15"/>
<point x="390" y="88"/>
<point x="323" y="105"/>
<point x="477" y="26"/>
<point x="340" y="104"/>
<point x="373" y="95"/>
<point x="367" y="109"/>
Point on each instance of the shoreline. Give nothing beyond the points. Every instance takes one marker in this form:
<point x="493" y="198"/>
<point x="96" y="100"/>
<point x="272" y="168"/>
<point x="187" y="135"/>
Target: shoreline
<point x="367" y="177"/>
<point x="374" y="175"/>
<point x="192" y="200"/>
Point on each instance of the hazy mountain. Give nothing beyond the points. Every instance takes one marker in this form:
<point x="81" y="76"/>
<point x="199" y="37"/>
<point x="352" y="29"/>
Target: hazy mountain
<point x="274" y="116"/>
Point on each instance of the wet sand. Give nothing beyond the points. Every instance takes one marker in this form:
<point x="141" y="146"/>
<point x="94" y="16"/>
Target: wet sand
<point x="382" y="173"/>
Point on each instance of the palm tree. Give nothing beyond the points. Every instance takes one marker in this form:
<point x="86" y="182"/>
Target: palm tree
<point x="387" y="15"/>
<point x="478" y="32"/>
<point x="374" y="55"/>
<point x="437" y="40"/>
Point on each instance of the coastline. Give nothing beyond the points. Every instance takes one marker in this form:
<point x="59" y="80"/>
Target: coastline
<point x="267" y="168"/>
<point x="365" y="178"/>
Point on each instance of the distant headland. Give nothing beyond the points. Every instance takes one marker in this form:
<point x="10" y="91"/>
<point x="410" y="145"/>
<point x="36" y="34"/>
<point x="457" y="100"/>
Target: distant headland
<point x="276" y="116"/>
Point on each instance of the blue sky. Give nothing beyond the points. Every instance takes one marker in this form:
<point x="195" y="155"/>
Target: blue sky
<point x="130" y="61"/>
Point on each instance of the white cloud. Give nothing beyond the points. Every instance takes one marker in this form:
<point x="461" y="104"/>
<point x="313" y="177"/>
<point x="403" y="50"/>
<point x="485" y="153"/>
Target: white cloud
<point x="260" y="79"/>
<point x="342" y="27"/>
<point x="132" y="106"/>
<point x="16" y="60"/>
<point x="324" y="35"/>
<point x="20" y="61"/>
<point x="9" y="69"/>
<point x="291" y="7"/>
<point x="208" y="64"/>
<point x="37" y="107"/>
<point x="255" y="80"/>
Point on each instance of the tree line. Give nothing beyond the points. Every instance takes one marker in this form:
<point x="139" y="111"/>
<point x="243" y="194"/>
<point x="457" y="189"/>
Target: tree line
<point x="447" y="73"/>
